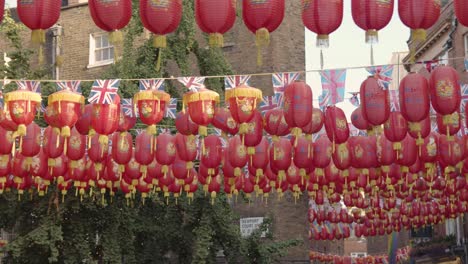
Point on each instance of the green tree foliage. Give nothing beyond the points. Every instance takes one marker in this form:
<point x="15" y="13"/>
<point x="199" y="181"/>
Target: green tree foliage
<point x="98" y="228"/>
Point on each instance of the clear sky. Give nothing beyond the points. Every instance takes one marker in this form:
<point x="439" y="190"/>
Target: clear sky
<point x="10" y="3"/>
<point x="348" y="49"/>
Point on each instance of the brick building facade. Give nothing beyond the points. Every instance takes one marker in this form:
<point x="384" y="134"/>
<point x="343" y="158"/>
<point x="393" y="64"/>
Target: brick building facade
<point x="78" y="37"/>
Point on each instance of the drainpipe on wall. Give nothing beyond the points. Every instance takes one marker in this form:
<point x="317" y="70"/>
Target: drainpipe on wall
<point x="57" y="32"/>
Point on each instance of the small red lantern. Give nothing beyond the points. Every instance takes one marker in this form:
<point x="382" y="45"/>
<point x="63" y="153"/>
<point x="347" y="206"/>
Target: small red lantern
<point x="212" y="156"/>
<point x="151" y="106"/>
<point x="237" y="154"/>
<point x="323" y="150"/>
<point x="254" y="134"/>
<point x="303" y="155"/>
<point x="223" y="120"/>
<point x="144" y="152"/>
<point x="53" y="144"/>
<point x="374" y="102"/>
<point x="215" y="17"/>
<point x="395" y="129"/>
<point x="108" y="112"/>
<point x="67" y="106"/>
<point x="259" y="161"/>
<point x="201" y="108"/>
<point x="111" y="16"/>
<point x="165" y="151"/>
<point x="275" y="124"/>
<point x="186" y="148"/>
<point x="280" y="157"/>
<point x="322" y="17"/>
<point x="297" y="106"/>
<point x="21" y="105"/>
<point x="7" y="139"/>
<point x="358" y="121"/>
<point x="83" y="125"/>
<point x="336" y="125"/>
<point x="76" y="145"/>
<point x="372" y="16"/>
<point x="414" y="97"/>
<point x="449" y="125"/>
<point x="185" y="125"/>
<point x="242" y="102"/>
<point x="262" y="18"/>
<point x="461" y="11"/>
<point x="30" y="145"/>
<point x="122" y="149"/>
<point x="419" y="19"/>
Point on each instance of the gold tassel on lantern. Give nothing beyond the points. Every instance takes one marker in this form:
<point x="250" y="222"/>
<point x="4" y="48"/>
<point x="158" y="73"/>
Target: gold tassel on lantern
<point x="159" y="42"/>
<point x="262" y="40"/>
<point x="38" y="38"/>
<point x="116" y="38"/>
<point x="216" y="40"/>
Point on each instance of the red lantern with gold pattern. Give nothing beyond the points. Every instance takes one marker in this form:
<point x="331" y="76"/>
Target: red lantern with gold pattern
<point x="185" y="125"/>
<point x="97" y="152"/>
<point x="395" y="129"/>
<point x="31" y="143"/>
<point x="201" y="108"/>
<point x="414" y="97"/>
<point x="445" y="92"/>
<point x="76" y="145"/>
<point x="336" y="125"/>
<point x="83" y="125"/>
<point x="358" y="121"/>
<point x="127" y="120"/>
<point x="461" y="11"/>
<point x="111" y="16"/>
<point x="144" y="152"/>
<point x="7" y="139"/>
<point x="5" y="120"/>
<point x="22" y="106"/>
<point x="211" y="158"/>
<point x="419" y="19"/>
<point x="223" y="120"/>
<point x="166" y="150"/>
<point x="316" y="123"/>
<point x="363" y="152"/>
<point x="372" y="16"/>
<point x="53" y="144"/>
<point x="254" y="134"/>
<point x="259" y="161"/>
<point x="275" y="124"/>
<point x="122" y="148"/>
<point x="186" y="147"/>
<point x="215" y="17"/>
<point x="297" y="106"/>
<point x="237" y="154"/>
<point x="409" y="153"/>
<point x="151" y="106"/>
<point x="242" y="102"/>
<point x="303" y="155"/>
<point x="262" y="18"/>
<point x="451" y="151"/>
<point x="449" y="124"/>
<point x="280" y="157"/>
<point x="160" y="18"/>
<point x="374" y="102"/>
<point x="323" y="150"/>
<point x="108" y="112"/>
<point x="322" y="17"/>
<point x="67" y="106"/>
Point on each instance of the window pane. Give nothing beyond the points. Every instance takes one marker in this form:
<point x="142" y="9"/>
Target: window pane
<point x="111" y="50"/>
<point x="105" y="41"/>
<point x="97" y="41"/>
<point x="98" y="55"/>
<point x="105" y="54"/>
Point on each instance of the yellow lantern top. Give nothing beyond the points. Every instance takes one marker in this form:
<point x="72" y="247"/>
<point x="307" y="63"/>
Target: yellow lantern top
<point x="152" y="95"/>
<point x="67" y="96"/>
<point x="244" y="91"/>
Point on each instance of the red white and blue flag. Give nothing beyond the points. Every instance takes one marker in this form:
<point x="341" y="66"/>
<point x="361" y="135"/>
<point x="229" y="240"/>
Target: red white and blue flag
<point x="464" y="97"/>
<point x="152" y="84"/>
<point x="394" y="100"/>
<point x="171" y="109"/>
<point x="323" y="101"/>
<point x="466" y="64"/>
<point x="163" y="130"/>
<point x="333" y="82"/>
<point x="33" y="86"/>
<point x="233" y="81"/>
<point x="430" y="65"/>
<point x="268" y="103"/>
<point x="192" y="83"/>
<point x="219" y="133"/>
<point x="282" y="80"/>
<point x="127" y="107"/>
<point x="104" y="91"/>
<point x="72" y="86"/>
<point x="383" y="74"/>
<point x="354" y="100"/>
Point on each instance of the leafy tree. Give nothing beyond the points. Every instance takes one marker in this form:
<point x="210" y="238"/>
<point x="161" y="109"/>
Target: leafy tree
<point x="119" y="230"/>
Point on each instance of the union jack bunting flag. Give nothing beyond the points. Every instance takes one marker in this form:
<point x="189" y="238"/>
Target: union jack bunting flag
<point x="103" y="91"/>
<point x="323" y="100"/>
<point x="283" y="79"/>
<point x="223" y="140"/>
<point x="127" y="107"/>
<point x="192" y="83"/>
<point x="461" y="132"/>
<point x="383" y="74"/>
<point x="354" y="100"/>
<point x="33" y="86"/>
<point x="73" y="86"/>
<point x="163" y="130"/>
<point x="434" y="127"/>
<point x="353" y="131"/>
<point x="139" y="131"/>
<point x="394" y="100"/>
<point x="43" y="108"/>
<point x="171" y="109"/>
<point x="152" y="84"/>
<point x="334" y="82"/>
<point x="466" y="64"/>
<point x="464" y="97"/>
<point x="268" y="103"/>
<point x="235" y="80"/>
<point x="430" y="65"/>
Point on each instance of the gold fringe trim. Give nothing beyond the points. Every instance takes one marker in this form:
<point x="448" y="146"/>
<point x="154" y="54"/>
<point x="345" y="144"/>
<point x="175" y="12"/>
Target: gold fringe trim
<point x="23" y="95"/>
<point x="204" y="95"/>
<point x="159" y="41"/>
<point x="419" y="34"/>
<point x="66" y="96"/>
<point x="38" y="36"/>
<point x="152" y="95"/>
<point x="216" y="40"/>
<point x="244" y="91"/>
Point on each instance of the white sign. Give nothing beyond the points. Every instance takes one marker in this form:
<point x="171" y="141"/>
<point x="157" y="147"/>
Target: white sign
<point x="249" y="225"/>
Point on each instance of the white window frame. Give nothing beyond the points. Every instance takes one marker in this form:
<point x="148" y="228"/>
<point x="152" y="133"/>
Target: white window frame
<point x="92" y="51"/>
<point x="443" y="58"/>
<point x="465" y="38"/>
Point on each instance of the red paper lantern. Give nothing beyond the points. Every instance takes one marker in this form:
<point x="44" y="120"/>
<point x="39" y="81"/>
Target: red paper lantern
<point x="5" y="120"/>
<point x="151" y="106"/>
<point x="414" y="97"/>
<point x="280" y="157"/>
<point x="97" y="152"/>
<point x="212" y="156"/>
<point x="237" y="154"/>
<point x="395" y="129"/>
<point x="111" y="16"/>
<point x="144" y="152"/>
<point x="323" y="150"/>
<point x="53" y="144"/>
<point x="67" y="106"/>
<point x="126" y="121"/>
<point x="419" y="19"/>
<point x="297" y="106"/>
<point x="254" y="133"/>
<point x="259" y="161"/>
<point x="161" y="18"/>
<point x="358" y="121"/>
<point x="372" y="16"/>
<point x="336" y="125"/>
<point x="275" y="124"/>
<point x="262" y="18"/>
<point x="215" y="17"/>
<point x="449" y="124"/>
<point x="242" y="102"/>
<point x="363" y="152"/>
<point x="7" y="139"/>
<point x="166" y="150"/>
<point x="122" y="149"/>
<point x="31" y="143"/>
<point x="185" y="125"/>
<point x="186" y="148"/>
<point x="461" y="11"/>
<point x="223" y="120"/>
<point x="322" y="17"/>
<point x="21" y="106"/>
<point x="303" y="155"/>
<point x="108" y="112"/>
<point x="38" y="15"/>
<point x="445" y="91"/>
<point x="83" y="125"/>
<point x="374" y="102"/>
<point x="201" y="108"/>
<point x="76" y="145"/>
<point x="409" y="153"/>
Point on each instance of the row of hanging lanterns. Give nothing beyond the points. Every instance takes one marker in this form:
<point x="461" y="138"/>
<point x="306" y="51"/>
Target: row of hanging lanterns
<point x="401" y="256"/>
<point x="216" y="17"/>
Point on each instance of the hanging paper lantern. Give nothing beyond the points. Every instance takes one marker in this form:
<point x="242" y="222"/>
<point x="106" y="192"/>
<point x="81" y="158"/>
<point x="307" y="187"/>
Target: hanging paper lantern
<point x="186" y="147"/>
<point x="395" y="129"/>
<point x="67" y="106"/>
<point x="83" y="125"/>
<point x="108" y="112"/>
<point x="358" y="121"/>
<point x="386" y="156"/>
<point x="316" y="124"/>
<point x="7" y="139"/>
<point x="201" y="108"/>
<point x="408" y="155"/>
<point x="242" y="102"/>
<point x="323" y="150"/>
<point x="262" y="18"/>
<point x="126" y="122"/>
<point x="322" y="17"/>
<point x="160" y="18"/>
<point x="30" y="145"/>
<point x="215" y="17"/>
<point x="165" y="151"/>
<point x="223" y="120"/>
<point x="461" y="11"/>
<point x="53" y="144"/>
<point x="5" y="170"/>
<point x="303" y="155"/>
<point x="275" y="124"/>
<point x="336" y="125"/>
<point x="76" y="145"/>
<point x="144" y="152"/>
<point x="111" y="16"/>
<point x="5" y="120"/>
<point x="363" y="152"/>
<point x="419" y="19"/>
<point x="237" y="155"/>
<point x="259" y="161"/>
<point x="414" y="97"/>
<point x="151" y="106"/>
<point x="254" y="133"/>
<point x="449" y="124"/>
<point x="280" y="158"/>
<point x="21" y="106"/>
<point x="185" y="125"/>
<point x="212" y="156"/>
<point x="374" y="102"/>
<point x="297" y="106"/>
<point x="38" y="15"/>
<point x="445" y="92"/>
<point x="97" y="152"/>
<point x="372" y="16"/>
<point x="122" y="149"/>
